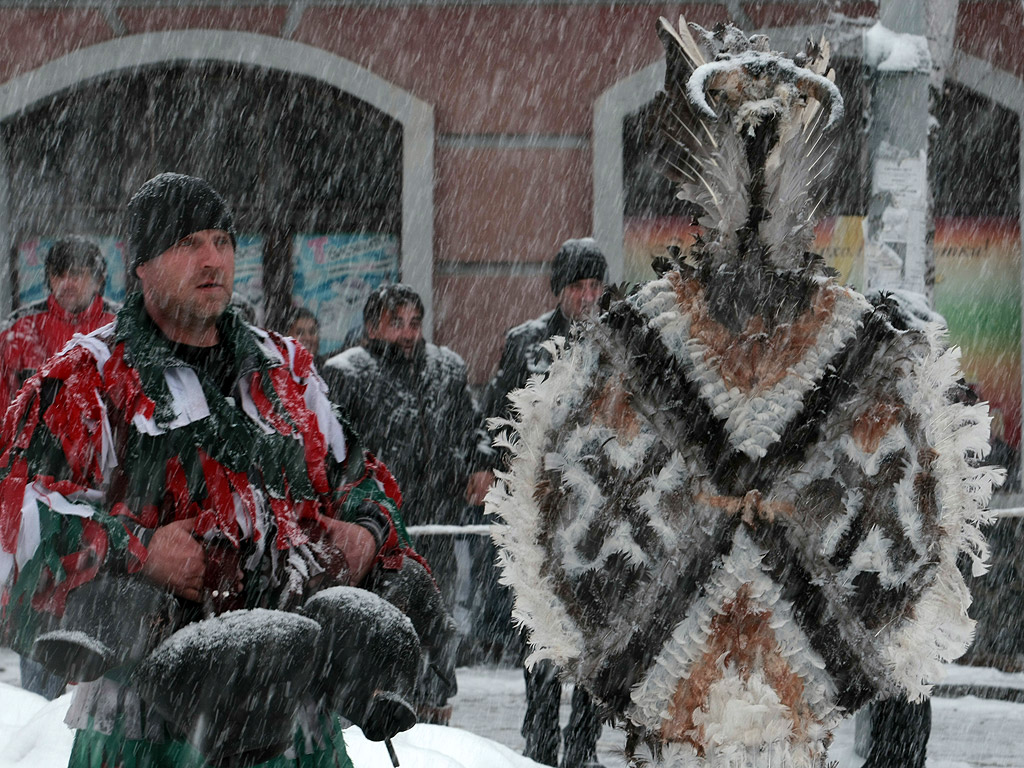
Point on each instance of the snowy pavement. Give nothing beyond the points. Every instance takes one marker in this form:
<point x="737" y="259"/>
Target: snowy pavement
<point x="966" y="732"/>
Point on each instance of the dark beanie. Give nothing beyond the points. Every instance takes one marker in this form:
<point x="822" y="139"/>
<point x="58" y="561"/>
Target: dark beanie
<point x="578" y="259"/>
<point x="169" y="207"/>
<point x="75" y="252"/>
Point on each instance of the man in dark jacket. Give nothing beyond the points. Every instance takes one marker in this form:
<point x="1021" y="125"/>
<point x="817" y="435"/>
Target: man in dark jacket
<point x="410" y="404"/>
<point x="577" y="280"/>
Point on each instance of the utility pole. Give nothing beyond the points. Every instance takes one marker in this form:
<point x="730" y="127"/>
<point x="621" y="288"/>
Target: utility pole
<point x="897" y="246"/>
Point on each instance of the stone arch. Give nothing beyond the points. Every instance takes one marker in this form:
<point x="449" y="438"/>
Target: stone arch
<point x="182" y="46"/>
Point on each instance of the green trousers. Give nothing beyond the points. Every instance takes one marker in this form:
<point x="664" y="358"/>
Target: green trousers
<point x="97" y="750"/>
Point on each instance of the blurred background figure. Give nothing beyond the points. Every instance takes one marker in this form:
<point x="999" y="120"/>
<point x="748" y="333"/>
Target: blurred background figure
<point x="410" y="403"/>
<point x="75" y="275"/>
<point x="305" y="329"/>
<point x="577" y="281"/>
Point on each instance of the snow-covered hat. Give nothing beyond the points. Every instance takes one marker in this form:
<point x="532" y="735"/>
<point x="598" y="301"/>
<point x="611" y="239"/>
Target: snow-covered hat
<point x="577" y="259"/>
<point x="169" y="207"/>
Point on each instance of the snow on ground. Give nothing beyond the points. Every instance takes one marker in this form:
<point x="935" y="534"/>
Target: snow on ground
<point x="32" y="730"/>
<point x="966" y="732"/>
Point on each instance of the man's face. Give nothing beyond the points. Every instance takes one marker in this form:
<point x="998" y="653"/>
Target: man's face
<point x="403" y="328"/>
<point x="75" y="289"/>
<point x="188" y="286"/>
<point x="580" y="298"/>
<point x="305" y="331"/>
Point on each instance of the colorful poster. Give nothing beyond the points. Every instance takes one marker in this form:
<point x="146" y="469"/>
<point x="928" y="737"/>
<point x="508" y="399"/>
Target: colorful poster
<point x="333" y="276"/>
<point x="32" y="267"/>
<point x="249" y="274"/>
<point x="977" y="290"/>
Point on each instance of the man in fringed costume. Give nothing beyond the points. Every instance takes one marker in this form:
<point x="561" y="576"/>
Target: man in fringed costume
<point x="183" y="517"/>
<point x="737" y="499"/>
<point x="76" y="274"/>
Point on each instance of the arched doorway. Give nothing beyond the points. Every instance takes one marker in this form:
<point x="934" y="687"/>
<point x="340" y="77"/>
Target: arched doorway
<point x="329" y="168"/>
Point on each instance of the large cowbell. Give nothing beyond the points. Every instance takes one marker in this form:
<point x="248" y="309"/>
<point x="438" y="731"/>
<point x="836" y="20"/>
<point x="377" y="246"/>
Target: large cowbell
<point x="234" y="685"/>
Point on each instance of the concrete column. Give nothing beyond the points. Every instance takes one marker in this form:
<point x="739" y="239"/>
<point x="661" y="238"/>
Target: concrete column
<point x="897" y="248"/>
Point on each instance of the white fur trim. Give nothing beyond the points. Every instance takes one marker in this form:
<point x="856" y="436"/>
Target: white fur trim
<point x="753" y="420"/>
<point x="956" y="432"/>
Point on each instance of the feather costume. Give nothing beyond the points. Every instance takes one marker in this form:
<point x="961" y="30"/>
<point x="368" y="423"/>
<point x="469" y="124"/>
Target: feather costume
<point x="736" y="501"/>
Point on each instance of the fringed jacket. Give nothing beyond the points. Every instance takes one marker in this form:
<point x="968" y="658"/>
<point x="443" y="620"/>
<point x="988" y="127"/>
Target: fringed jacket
<point x="37" y="332"/>
<point x="117" y="436"/>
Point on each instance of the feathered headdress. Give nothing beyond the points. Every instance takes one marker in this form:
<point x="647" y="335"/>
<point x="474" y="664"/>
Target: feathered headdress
<point x="742" y="130"/>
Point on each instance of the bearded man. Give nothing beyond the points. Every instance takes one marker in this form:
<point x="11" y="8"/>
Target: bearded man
<point x="180" y="468"/>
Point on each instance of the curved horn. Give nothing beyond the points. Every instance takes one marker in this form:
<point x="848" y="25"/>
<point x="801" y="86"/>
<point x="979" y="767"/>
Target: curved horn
<point x="824" y="90"/>
<point x="714" y="74"/>
<point x="710" y="75"/>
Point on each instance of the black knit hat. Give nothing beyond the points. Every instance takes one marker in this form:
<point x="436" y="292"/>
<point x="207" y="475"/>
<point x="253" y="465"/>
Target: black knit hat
<point x="169" y="207"/>
<point x="577" y="259"/>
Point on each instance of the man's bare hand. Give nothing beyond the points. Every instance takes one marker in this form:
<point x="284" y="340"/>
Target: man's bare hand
<point x="176" y="560"/>
<point x="476" y="488"/>
<point x="356" y="543"/>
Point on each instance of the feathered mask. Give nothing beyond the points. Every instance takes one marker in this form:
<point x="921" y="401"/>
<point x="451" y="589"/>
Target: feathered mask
<point x="743" y="131"/>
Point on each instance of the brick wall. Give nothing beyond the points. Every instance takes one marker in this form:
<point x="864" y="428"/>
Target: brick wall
<point x="513" y="88"/>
